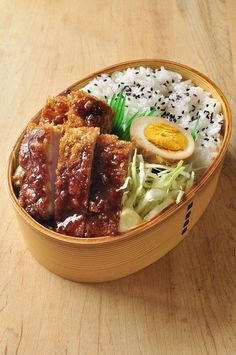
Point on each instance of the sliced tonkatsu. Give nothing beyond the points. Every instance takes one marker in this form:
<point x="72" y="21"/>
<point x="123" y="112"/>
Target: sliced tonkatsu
<point x="38" y="160"/>
<point x="73" y="179"/>
<point x="72" y="176"/>
<point x="78" y="109"/>
<point x="112" y="157"/>
<point x="55" y="111"/>
<point x="92" y="111"/>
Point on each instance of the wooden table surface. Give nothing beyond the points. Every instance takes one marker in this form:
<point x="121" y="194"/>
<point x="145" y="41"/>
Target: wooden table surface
<point x="186" y="302"/>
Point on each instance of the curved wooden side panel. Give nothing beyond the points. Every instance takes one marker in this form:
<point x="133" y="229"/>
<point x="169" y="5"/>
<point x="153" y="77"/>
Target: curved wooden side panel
<point x="88" y="263"/>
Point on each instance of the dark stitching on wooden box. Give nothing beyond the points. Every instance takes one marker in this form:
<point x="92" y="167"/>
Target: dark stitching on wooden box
<point x="188" y="215"/>
<point x="186" y="223"/>
<point x="187" y="218"/>
<point x="190" y="206"/>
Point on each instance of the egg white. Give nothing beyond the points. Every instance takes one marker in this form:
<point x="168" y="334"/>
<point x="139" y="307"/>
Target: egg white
<point x="151" y="152"/>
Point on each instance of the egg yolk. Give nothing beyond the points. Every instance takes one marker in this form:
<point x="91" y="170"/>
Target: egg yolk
<point x="165" y="136"/>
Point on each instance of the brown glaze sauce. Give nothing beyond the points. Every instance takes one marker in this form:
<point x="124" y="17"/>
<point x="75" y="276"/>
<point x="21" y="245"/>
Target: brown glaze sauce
<point x="90" y="110"/>
<point x="72" y="189"/>
<point x="34" y="194"/>
<point x="55" y="111"/>
<point x="109" y="172"/>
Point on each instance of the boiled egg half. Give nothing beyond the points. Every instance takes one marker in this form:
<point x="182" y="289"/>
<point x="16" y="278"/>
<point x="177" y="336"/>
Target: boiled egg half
<point x="161" y="141"/>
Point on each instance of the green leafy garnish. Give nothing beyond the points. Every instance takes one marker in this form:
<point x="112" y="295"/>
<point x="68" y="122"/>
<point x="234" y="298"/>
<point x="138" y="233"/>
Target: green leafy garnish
<point x="121" y="121"/>
<point x="194" y="132"/>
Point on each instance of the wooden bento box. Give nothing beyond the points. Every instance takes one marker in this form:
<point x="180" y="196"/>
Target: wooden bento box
<point x="108" y="258"/>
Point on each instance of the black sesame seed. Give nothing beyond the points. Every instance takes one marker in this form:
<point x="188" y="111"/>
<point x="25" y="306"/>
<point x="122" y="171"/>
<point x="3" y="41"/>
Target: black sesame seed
<point x="173" y="81"/>
<point x="89" y="91"/>
<point x="182" y="112"/>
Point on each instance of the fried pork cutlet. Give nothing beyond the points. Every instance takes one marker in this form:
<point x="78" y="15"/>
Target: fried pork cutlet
<point x="73" y="179"/>
<point x="78" y="109"/>
<point x="111" y="162"/>
<point x="92" y="111"/>
<point x="55" y="111"/>
<point x="38" y="160"/>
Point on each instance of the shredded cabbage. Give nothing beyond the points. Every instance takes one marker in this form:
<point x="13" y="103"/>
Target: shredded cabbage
<point x="150" y="188"/>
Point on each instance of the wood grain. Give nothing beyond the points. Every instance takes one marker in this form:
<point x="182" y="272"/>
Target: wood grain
<point x="184" y="303"/>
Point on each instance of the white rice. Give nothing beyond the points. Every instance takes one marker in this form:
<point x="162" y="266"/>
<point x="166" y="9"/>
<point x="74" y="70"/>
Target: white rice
<point x="177" y="100"/>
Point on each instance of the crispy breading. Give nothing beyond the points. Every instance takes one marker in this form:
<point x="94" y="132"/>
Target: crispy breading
<point x="38" y="159"/>
<point x="73" y="179"/>
<point x="77" y="109"/>
<point x="112" y="157"/>
<point x="92" y="111"/>
<point x="55" y="111"/>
